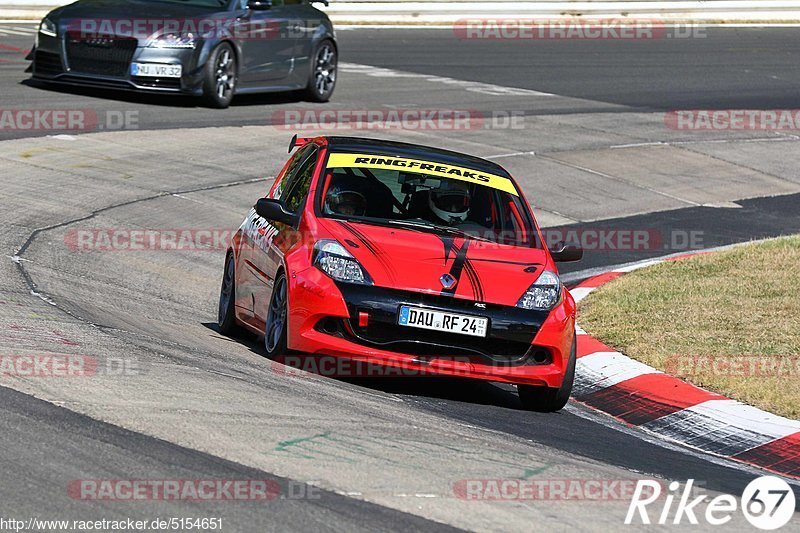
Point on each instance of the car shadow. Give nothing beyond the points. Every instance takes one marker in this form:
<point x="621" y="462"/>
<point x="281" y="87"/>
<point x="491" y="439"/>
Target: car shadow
<point x="431" y="387"/>
<point x="162" y="99"/>
<point x="445" y="388"/>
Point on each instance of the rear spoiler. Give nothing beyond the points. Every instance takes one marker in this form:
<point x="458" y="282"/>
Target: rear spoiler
<point x="298" y="142"/>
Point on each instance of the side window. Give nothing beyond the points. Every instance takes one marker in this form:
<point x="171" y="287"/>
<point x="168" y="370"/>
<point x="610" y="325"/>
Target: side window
<point x="286" y="180"/>
<point x="297" y="190"/>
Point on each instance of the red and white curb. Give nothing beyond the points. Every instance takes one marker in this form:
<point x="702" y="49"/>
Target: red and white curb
<point x="664" y="405"/>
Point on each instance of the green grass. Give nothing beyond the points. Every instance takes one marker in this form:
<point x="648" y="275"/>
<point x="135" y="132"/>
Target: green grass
<point x="697" y="317"/>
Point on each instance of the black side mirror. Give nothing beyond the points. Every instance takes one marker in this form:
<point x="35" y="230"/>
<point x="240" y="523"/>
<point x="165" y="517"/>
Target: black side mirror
<point x="275" y="211"/>
<point x="565" y="253"/>
<point x="259" y="5"/>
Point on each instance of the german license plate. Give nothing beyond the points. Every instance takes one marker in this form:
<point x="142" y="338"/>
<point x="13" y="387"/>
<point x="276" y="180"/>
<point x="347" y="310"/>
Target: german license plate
<point x="417" y="317"/>
<point x="155" y="70"/>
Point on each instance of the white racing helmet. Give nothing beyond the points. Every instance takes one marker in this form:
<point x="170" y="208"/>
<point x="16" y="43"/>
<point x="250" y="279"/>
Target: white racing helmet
<point x="450" y="202"/>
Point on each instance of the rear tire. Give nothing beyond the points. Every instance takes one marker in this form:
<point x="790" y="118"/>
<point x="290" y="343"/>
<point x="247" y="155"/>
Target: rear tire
<point x="275" y="327"/>
<point x="322" y="78"/>
<point x="548" y="399"/>
<point x="219" y="77"/>
<point x="226" y="314"/>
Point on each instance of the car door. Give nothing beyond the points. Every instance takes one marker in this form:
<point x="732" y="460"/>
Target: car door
<point x="280" y="237"/>
<point x="264" y="29"/>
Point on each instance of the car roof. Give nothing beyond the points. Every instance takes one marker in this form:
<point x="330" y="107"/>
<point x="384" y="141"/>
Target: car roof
<point x="413" y="151"/>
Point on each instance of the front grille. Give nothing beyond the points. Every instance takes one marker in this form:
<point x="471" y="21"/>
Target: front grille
<point x="47" y="63"/>
<point x="423" y="342"/>
<point x="510" y="334"/>
<point x="103" y="55"/>
<point x="158" y="83"/>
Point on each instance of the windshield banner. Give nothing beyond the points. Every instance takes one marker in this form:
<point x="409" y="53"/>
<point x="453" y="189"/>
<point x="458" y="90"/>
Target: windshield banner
<point x="430" y="168"/>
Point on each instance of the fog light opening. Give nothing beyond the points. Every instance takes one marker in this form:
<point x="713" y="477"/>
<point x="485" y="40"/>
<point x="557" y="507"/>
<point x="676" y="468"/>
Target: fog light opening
<point x="541" y="356"/>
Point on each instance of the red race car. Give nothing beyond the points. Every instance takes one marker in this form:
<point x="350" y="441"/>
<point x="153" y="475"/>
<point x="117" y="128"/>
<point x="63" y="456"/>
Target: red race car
<point x="404" y="256"/>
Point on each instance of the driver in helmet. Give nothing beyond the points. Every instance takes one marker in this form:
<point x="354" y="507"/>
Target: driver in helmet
<point x="341" y="200"/>
<point x="450" y="202"/>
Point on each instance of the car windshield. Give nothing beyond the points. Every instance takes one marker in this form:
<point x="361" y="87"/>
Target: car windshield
<point x="425" y="196"/>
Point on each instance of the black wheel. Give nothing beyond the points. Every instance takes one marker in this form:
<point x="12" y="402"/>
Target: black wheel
<point x="275" y="330"/>
<point x="219" y="80"/>
<point x="547" y="399"/>
<point x="322" y="78"/>
<point x="226" y="319"/>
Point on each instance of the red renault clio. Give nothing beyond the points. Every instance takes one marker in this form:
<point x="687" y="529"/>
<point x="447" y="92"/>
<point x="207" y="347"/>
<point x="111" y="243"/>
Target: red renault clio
<point x="404" y="256"/>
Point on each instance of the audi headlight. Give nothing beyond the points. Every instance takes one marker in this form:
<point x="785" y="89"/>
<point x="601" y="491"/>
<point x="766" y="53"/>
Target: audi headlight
<point x="173" y="40"/>
<point x="333" y="259"/>
<point x="544" y="294"/>
<point x="48" y="27"/>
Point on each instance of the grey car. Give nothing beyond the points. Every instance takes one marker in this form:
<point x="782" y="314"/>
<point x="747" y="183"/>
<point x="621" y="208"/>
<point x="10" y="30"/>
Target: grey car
<point x="209" y="48"/>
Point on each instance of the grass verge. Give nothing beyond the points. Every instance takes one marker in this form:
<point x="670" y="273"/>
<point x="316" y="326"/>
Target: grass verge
<point x="727" y="321"/>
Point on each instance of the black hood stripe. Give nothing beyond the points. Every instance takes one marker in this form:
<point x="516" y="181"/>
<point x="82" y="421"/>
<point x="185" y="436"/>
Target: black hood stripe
<point x="474" y="280"/>
<point x="458" y="267"/>
<point x="372" y="247"/>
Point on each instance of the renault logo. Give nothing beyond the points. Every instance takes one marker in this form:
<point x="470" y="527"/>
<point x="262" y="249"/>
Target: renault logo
<point x="448" y="281"/>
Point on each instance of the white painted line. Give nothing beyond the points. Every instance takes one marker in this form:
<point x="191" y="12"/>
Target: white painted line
<point x="601" y="370"/>
<point x="350" y="27"/>
<point x="511" y="154"/>
<point x="6" y="31"/>
<point x="471" y="86"/>
<point x="637" y="266"/>
<point x="579" y="293"/>
<point x="723" y="427"/>
<point x="753" y="419"/>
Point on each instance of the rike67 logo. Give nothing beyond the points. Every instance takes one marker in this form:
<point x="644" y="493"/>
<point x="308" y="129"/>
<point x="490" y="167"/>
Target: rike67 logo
<point x="767" y="502"/>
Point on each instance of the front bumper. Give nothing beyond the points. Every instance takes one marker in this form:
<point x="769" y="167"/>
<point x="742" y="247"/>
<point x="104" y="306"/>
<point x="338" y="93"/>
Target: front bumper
<point x="72" y="61"/>
<point x="324" y="319"/>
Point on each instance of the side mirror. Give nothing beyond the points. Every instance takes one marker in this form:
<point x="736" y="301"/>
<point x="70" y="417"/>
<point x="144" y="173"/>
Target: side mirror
<point x="565" y="253"/>
<point x="275" y="211"/>
<point x="259" y="5"/>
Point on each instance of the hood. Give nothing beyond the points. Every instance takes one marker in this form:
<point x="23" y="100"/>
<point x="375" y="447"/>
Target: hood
<point x="399" y="258"/>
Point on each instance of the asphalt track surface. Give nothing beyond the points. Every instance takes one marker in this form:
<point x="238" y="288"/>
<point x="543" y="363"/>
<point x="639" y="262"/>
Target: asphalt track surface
<point x="738" y="68"/>
<point x="385" y="452"/>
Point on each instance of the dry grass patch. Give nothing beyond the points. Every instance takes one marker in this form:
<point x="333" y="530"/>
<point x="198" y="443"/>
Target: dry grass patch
<point x="727" y="321"/>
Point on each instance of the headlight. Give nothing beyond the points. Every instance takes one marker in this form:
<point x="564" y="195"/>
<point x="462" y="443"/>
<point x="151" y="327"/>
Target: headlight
<point x="48" y="27"/>
<point x="332" y="258"/>
<point x="173" y="40"/>
<point x="544" y="294"/>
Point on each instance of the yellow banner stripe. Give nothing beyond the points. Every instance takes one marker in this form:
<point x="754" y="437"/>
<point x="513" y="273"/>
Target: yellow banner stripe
<point x="430" y="168"/>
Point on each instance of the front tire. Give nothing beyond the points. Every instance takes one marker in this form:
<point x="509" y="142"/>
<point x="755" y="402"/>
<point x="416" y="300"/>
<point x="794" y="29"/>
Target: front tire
<point x="226" y="314"/>
<point x="275" y="328"/>
<point x="219" y="79"/>
<point x="548" y="399"/>
<point x="322" y="79"/>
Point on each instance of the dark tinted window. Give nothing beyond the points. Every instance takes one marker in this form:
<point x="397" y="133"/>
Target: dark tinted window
<point x="299" y="182"/>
